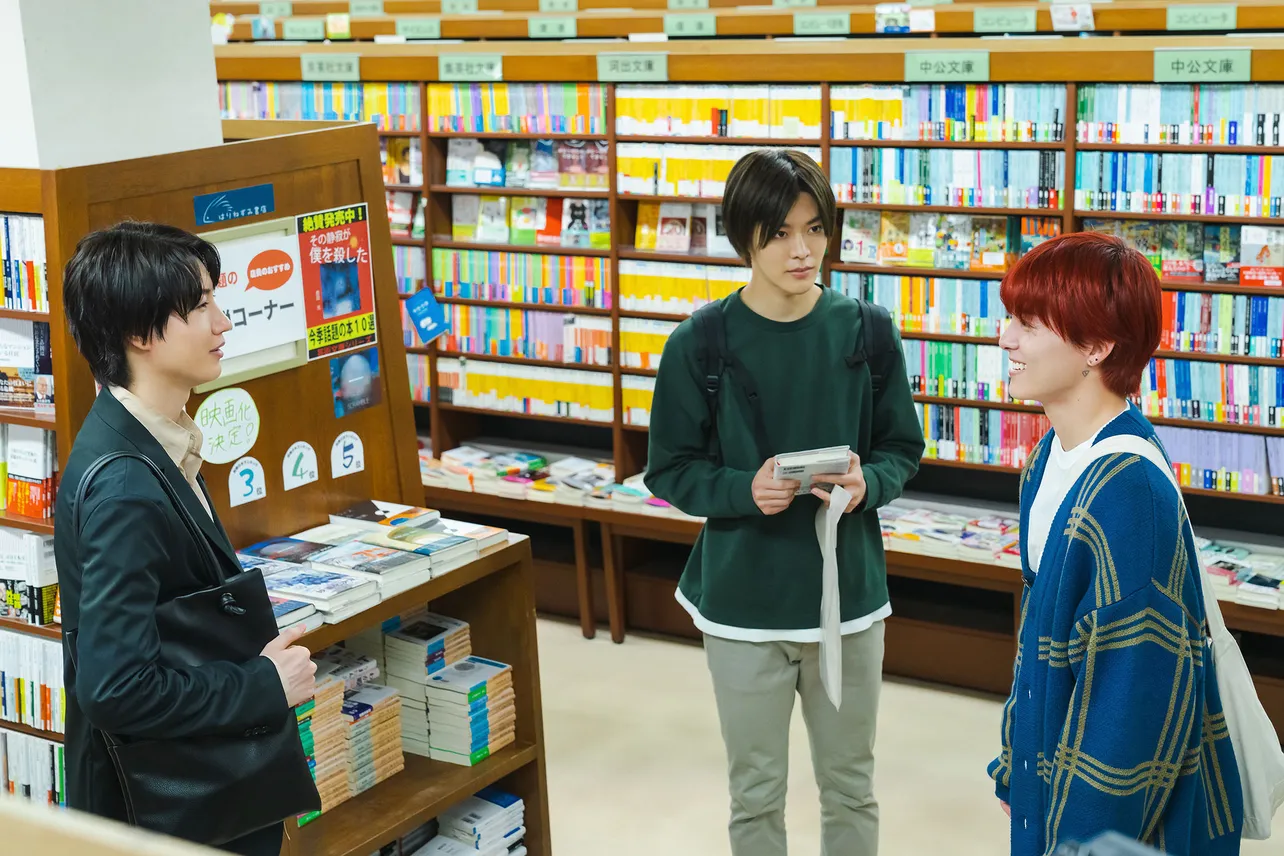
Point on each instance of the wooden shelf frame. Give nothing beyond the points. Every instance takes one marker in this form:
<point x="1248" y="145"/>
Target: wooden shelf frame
<point x="312" y="167"/>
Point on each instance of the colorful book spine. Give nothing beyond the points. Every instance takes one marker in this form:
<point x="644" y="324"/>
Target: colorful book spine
<point x="769" y="111"/>
<point x="411" y="266"/>
<point x="390" y="106"/>
<point x="956" y="370"/>
<point x="523" y="277"/>
<point x="533" y="335"/>
<point x="1229" y="185"/>
<point x="1227" y="393"/>
<point x="676" y="288"/>
<point x="976" y="436"/>
<point x="33" y="768"/>
<point x="536" y="390"/>
<point x="1224" y="461"/>
<point x="524" y="108"/>
<point x="1180" y="114"/>
<point x="642" y="342"/>
<point x="697" y="171"/>
<point x="955" y="178"/>
<point x="971" y="112"/>
<point x="23" y="266"/>
<point x="961" y="307"/>
<point x="636" y="395"/>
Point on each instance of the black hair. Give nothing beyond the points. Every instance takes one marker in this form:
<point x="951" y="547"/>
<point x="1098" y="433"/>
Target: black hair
<point x="125" y="282"/>
<point x="762" y="188"/>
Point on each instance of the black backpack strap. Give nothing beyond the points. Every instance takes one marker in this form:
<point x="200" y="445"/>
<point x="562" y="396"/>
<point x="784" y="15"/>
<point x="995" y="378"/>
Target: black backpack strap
<point x="875" y="344"/>
<point x="714" y="359"/>
<point x="710" y="358"/>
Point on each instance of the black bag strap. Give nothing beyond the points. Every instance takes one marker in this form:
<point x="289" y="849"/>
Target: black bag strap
<point x="715" y="358"/>
<point x="875" y="344"/>
<point x="82" y="488"/>
<point x="207" y="551"/>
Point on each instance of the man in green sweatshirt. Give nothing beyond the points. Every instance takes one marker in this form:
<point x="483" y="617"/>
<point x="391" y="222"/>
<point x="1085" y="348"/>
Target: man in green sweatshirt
<point x="753" y="582"/>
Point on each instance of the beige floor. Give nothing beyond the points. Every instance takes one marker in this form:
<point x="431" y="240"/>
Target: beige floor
<point x="636" y="767"/>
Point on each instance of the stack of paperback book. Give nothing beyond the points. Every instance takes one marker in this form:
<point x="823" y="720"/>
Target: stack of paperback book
<point x="373" y="715"/>
<point x="471" y="711"/>
<point x="491" y="823"/>
<point x="322" y="730"/>
<point x="419" y="648"/>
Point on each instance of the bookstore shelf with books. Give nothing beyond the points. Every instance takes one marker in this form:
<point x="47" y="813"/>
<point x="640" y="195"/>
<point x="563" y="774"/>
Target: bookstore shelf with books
<point x="511" y="19"/>
<point x="389" y="748"/>
<point x="935" y="265"/>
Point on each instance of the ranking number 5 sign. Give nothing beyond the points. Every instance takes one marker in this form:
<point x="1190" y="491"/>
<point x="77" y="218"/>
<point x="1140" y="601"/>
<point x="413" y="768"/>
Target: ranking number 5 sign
<point x="347" y="455"/>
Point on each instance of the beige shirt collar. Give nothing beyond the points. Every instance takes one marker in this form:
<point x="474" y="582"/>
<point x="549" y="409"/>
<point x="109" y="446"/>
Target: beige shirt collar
<point x="181" y="440"/>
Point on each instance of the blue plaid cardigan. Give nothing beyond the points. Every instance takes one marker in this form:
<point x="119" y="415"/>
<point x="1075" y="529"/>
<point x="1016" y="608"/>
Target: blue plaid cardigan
<point x="1114" y="721"/>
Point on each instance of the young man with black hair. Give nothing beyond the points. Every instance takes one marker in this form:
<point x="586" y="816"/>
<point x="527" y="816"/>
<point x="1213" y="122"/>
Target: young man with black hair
<point x="798" y="371"/>
<point x="139" y="300"/>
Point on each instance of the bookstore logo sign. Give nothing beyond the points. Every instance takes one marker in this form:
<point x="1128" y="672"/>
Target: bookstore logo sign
<point x="212" y="209"/>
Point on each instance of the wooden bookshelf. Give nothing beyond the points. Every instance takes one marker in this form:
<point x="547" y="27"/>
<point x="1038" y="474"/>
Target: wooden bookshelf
<point x="49" y="631"/>
<point x="31" y="732"/>
<point x="508" y="19"/>
<point x="29" y="524"/>
<point x="640" y="596"/>
<point x="310" y="170"/>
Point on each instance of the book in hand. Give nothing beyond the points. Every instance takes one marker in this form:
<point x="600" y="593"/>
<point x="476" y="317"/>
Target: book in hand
<point x="801" y="466"/>
<point x="375" y="515"/>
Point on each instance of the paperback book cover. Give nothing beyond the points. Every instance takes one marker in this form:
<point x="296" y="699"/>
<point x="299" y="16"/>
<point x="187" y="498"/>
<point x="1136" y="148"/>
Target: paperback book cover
<point x="893" y="240"/>
<point x="860" y="237"/>
<point x="1182" y="252"/>
<point x="1221" y="253"/>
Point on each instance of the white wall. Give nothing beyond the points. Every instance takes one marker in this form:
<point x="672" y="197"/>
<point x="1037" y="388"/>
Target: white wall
<point x="17" y="128"/>
<point x="117" y="79"/>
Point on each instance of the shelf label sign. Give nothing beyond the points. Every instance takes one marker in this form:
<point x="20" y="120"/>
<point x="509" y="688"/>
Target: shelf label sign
<point x="793" y="4"/>
<point x="419" y="28"/>
<point x="1005" y="19"/>
<point x="548" y="27"/>
<point x="365" y="7"/>
<point x="303" y="29"/>
<point x="276" y="10"/>
<point x="951" y="66"/>
<point x="347" y="455"/>
<point x="1220" y="16"/>
<point x="679" y="5"/>
<point x="547" y="6"/>
<point x="1203" y="65"/>
<point x="299" y="467"/>
<point x="214" y="208"/>
<point x="331" y="67"/>
<point x="698" y="25"/>
<point x="458" y="7"/>
<point x="822" y="23"/>
<point x="633" y="67"/>
<point x="462" y="68"/>
<point x="246" y="482"/>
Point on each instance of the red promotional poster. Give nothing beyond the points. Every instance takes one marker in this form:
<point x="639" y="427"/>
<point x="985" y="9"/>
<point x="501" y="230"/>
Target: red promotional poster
<point x="338" y="282"/>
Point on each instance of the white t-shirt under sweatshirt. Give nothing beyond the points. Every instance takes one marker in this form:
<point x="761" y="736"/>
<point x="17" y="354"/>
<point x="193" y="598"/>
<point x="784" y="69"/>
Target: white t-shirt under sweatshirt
<point x="1059" y="476"/>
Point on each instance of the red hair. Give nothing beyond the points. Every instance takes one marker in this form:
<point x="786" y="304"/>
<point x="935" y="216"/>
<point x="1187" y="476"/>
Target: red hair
<point x="1092" y="289"/>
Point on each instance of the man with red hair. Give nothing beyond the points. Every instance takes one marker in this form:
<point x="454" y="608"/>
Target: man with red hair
<point x="1115" y="722"/>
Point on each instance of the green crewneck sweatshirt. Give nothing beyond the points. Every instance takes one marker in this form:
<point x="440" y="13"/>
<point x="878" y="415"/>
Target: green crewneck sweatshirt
<point x="763" y="573"/>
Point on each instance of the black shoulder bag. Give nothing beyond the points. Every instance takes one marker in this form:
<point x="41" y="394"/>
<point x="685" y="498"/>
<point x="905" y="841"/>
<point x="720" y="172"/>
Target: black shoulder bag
<point x="210" y="790"/>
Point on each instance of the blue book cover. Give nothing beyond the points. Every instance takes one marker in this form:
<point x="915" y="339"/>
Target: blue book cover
<point x="428" y="316"/>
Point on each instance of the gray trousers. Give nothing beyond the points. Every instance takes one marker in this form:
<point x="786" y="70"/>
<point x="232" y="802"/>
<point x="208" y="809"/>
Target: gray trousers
<point x="754" y="684"/>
